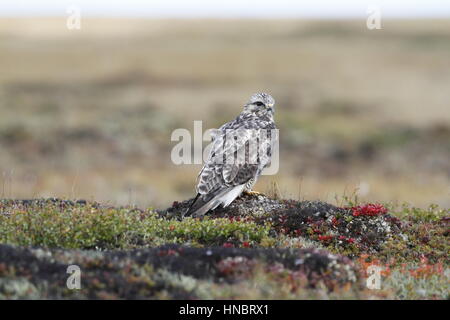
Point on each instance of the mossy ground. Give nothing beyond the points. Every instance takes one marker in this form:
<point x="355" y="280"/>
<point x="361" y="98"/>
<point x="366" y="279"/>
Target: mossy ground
<point x="256" y="248"/>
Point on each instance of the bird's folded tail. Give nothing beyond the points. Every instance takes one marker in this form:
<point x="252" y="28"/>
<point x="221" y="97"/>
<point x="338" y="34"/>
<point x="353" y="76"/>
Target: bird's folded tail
<point x="205" y="202"/>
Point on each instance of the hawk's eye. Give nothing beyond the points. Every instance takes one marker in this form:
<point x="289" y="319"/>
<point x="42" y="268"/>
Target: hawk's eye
<point x="259" y="104"/>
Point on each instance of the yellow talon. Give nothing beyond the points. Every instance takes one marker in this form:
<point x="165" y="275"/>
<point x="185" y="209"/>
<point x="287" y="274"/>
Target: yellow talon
<point x="252" y="193"/>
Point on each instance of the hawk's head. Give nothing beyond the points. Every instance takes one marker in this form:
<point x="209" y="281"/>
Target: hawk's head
<point x="260" y="103"/>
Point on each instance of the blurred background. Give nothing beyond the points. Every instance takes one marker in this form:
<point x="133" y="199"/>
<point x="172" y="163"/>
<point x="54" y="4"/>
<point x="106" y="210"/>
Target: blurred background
<point x="89" y="113"/>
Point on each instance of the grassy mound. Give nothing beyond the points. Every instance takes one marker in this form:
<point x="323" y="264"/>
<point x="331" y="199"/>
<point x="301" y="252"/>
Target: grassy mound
<point x="350" y="230"/>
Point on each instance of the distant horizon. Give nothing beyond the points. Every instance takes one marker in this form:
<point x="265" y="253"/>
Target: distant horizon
<point x="232" y="9"/>
<point x="93" y="17"/>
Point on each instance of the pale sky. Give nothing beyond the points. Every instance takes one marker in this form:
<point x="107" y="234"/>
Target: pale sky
<point x="230" y="8"/>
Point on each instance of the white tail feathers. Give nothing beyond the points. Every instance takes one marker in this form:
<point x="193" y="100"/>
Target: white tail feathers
<point x="224" y="198"/>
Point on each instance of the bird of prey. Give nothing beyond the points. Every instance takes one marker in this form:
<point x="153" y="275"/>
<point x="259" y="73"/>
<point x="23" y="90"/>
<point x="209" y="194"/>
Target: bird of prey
<point x="240" y="150"/>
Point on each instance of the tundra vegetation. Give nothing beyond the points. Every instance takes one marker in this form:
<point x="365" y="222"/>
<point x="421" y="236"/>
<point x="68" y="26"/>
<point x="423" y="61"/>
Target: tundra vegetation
<point x="258" y="248"/>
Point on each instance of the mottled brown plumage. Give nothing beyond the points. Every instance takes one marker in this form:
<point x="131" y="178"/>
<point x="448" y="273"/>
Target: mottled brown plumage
<point x="241" y="149"/>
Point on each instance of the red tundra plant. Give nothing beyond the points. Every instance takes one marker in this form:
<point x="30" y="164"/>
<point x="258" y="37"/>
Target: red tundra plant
<point x="349" y="240"/>
<point x="369" y="209"/>
<point x="325" y="238"/>
<point x="239" y="267"/>
<point x="169" y="252"/>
